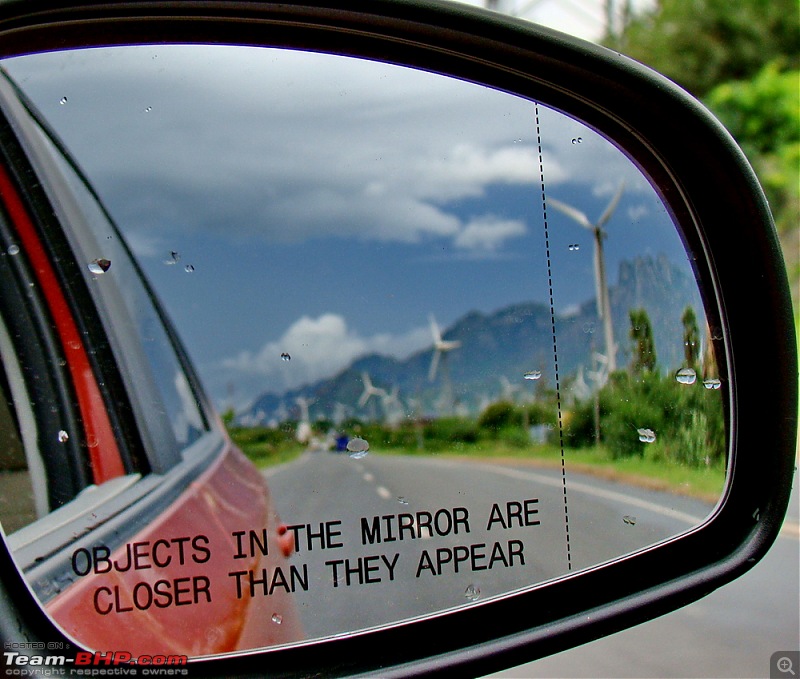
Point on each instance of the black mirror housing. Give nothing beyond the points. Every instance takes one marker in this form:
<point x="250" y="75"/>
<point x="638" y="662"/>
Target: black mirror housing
<point x="727" y="229"/>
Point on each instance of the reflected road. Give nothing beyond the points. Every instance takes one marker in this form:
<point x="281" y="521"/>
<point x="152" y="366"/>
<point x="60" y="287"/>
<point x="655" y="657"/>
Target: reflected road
<point x="364" y="541"/>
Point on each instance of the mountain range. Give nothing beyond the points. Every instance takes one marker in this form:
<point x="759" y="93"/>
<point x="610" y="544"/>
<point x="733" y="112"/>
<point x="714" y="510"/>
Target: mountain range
<point x="498" y="348"/>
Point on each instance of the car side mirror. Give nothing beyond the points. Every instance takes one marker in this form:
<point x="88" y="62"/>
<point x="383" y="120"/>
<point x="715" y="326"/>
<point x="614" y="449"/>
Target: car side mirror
<point x="497" y="259"/>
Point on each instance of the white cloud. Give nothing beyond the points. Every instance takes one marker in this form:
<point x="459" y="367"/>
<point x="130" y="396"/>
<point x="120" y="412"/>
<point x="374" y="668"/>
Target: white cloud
<point x="638" y="212"/>
<point x="467" y="169"/>
<point x="488" y="234"/>
<point x="291" y="146"/>
<point x="319" y="348"/>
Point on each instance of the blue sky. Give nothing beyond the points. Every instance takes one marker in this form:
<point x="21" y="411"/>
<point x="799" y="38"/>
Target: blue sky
<point x="326" y="205"/>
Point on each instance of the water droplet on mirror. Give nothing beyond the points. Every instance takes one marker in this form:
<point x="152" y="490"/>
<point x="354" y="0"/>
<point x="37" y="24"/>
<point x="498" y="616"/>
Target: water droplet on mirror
<point x="63" y="437"/>
<point x="472" y="593"/>
<point x="646" y="435"/>
<point x="357" y="448"/>
<point x="189" y="268"/>
<point x="532" y="375"/>
<point x="630" y="520"/>
<point x="285" y="357"/>
<point x="277" y="619"/>
<point x="577" y="140"/>
<point x="63" y="101"/>
<point x="148" y="109"/>
<point x="13" y="249"/>
<point x="712" y="383"/>
<point x="686" y="376"/>
<point x="402" y="500"/>
<point x="174" y="258"/>
<point x="588" y="328"/>
<point x="574" y="247"/>
<point x="99" y="266"/>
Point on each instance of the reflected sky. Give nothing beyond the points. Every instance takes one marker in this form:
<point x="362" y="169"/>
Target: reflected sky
<point x="325" y="206"/>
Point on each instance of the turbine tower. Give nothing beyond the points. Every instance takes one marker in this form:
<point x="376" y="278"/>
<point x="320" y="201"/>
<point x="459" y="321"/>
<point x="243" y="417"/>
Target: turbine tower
<point x="441" y="348"/>
<point x="303" y="434"/>
<point x="601" y="283"/>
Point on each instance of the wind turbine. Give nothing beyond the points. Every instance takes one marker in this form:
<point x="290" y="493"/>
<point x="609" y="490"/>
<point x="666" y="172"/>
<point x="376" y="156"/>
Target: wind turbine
<point x="441" y="348"/>
<point x="601" y="283"/>
<point x="370" y="390"/>
<point x="339" y="413"/>
<point x="303" y="434"/>
<point x="392" y="408"/>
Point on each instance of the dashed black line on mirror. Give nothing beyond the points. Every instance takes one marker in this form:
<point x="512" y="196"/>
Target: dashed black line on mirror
<point x="555" y="342"/>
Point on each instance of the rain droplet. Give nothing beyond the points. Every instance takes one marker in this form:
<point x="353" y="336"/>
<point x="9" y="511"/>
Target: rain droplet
<point x="577" y="140"/>
<point x="574" y="247"/>
<point x="472" y="592"/>
<point x="646" y="435"/>
<point x="148" y="109"/>
<point x="13" y="249"/>
<point x="63" y="437"/>
<point x="402" y="500"/>
<point x="189" y="268"/>
<point x="285" y="357"/>
<point x="174" y="258"/>
<point x="686" y="376"/>
<point x="99" y="266"/>
<point x="712" y="383"/>
<point x="630" y="520"/>
<point x="277" y="619"/>
<point x="63" y="101"/>
<point x="588" y="328"/>
<point x="532" y="375"/>
<point x="357" y="448"/>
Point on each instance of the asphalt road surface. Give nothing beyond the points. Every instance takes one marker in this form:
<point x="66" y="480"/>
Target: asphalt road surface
<point x="386" y="538"/>
<point x="733" y="632"/>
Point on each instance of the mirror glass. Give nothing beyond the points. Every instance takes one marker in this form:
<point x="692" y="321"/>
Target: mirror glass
<point x="455" y="334"/>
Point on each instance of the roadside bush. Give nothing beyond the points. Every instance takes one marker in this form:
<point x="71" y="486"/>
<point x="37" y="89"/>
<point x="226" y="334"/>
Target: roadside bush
<point x="687" y="420"/>
<point x="445" y="432"/>
<point x="500" y="415"/>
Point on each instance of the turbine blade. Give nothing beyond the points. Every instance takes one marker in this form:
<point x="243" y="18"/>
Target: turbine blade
<point x="611" y="206"/>
<point x="437" y="335"/>
<point x="571" y="212"/>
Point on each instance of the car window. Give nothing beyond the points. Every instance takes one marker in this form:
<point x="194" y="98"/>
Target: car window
<point x="131" y="318"/>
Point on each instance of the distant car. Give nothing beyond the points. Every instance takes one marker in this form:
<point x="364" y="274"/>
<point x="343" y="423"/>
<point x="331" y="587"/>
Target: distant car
<point x="130" y="481"/>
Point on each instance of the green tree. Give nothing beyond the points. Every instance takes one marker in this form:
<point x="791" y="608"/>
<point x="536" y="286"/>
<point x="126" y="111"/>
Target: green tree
<point x="763" y="114"/>
<point x="691" y="337"/>
<point x="644" y="348"/>
<point x="743" y="59"/>
<point x="701" y="43"/>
